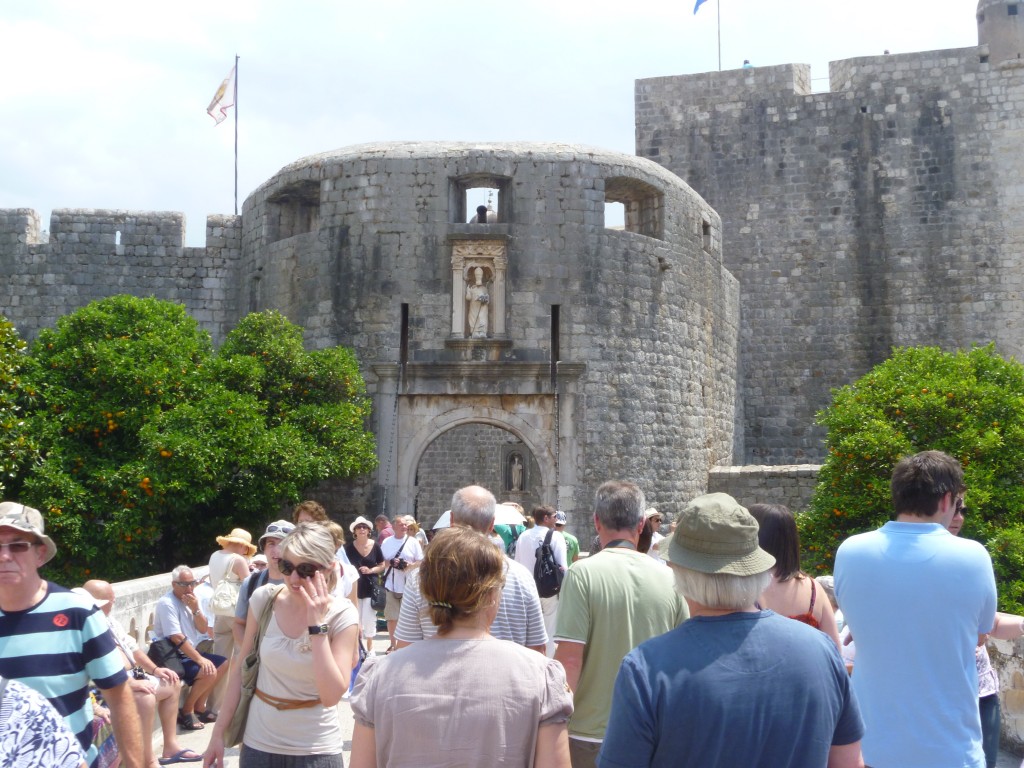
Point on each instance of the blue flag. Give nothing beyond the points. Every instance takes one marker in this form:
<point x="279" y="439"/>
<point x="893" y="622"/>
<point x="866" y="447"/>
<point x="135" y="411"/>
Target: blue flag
<point x="697" y="6"/>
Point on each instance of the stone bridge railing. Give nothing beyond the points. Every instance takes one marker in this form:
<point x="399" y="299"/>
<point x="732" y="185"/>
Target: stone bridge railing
<point x="135" y="602"/>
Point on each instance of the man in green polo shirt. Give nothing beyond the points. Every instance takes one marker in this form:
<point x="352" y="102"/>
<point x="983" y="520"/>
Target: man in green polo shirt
<point x="610" y="603"/>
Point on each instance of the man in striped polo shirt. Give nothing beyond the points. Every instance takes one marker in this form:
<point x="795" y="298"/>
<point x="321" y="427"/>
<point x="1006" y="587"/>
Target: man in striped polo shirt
<point x="55" y="641"/>
<point x="519" y="616"/>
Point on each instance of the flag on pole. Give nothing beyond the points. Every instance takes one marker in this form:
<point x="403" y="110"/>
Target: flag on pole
<point x="224" y="98"/>
<point x="697" y="6"/>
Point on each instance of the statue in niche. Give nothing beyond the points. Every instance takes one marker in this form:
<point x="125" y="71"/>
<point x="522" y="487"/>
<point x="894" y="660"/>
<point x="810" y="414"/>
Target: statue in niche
<point x="515" y="473"/>
<point x="478" y="297"/>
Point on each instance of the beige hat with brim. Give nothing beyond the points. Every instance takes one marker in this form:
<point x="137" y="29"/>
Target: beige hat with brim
<point x="359" y="521"/>
<point x="716" y="534"/>
<point x="27" y="520"/>
<point x="238" y="536"/>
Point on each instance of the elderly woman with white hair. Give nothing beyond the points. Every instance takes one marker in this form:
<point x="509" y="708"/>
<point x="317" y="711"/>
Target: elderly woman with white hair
<point x="733" y="685"/>
<point x="306" y="658"/>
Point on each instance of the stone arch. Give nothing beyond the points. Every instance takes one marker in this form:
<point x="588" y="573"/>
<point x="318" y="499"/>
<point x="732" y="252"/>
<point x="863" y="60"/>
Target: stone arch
<point x="413" y="449"/>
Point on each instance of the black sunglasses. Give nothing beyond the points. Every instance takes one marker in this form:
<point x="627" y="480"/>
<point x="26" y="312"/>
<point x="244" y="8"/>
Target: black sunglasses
<point x="306" y="570"/>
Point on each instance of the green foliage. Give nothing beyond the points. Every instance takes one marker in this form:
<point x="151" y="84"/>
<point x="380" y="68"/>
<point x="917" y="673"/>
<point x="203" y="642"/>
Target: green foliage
<point x="102" y="374"/>
<point x="968" y="404"/>
<point x="15" y="446"/>
<point x="152" y="444"/>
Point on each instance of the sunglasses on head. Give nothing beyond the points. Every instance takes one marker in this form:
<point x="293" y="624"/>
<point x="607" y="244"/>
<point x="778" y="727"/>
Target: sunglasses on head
<point x="306" y="570"/>
<point x="275" y="528"/>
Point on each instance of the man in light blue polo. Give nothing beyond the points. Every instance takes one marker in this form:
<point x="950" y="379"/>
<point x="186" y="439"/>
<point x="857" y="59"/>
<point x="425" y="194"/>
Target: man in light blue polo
<point x="916" y="599"/>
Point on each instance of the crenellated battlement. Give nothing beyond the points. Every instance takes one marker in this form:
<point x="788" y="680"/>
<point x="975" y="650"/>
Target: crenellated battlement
<point x="92" y="253"/>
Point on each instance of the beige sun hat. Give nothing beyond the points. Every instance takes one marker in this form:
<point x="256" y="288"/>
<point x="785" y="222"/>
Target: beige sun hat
<point x="716" y="534"/>
<point x="238" y="536"/>
<point x="360" y="521"/>
<point x="27" y="520"/>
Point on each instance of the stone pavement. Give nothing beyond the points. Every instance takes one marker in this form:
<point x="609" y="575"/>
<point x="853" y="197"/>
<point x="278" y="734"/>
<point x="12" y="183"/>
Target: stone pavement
<point x="197" y="740"/>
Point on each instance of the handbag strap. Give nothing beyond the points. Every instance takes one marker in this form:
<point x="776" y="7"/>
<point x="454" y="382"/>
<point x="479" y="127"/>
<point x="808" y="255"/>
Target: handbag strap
<point x="268" y="611"/>
<point x="390" y="568"/>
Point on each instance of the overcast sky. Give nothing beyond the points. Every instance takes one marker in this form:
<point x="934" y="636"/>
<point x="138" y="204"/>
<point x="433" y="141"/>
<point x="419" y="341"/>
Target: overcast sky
<point x="104" y="104"/>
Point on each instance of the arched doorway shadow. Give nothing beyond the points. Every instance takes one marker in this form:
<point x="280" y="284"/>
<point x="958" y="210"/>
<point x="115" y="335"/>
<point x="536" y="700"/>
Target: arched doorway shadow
<point x="411" y="453"/>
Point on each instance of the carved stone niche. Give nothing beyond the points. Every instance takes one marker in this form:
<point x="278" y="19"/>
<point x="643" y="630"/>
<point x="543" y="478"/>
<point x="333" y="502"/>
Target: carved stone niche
<point x="479" y="296"/>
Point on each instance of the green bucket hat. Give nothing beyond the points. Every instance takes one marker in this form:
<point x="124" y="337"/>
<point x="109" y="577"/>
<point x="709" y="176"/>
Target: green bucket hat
<point x="716" y="534"/>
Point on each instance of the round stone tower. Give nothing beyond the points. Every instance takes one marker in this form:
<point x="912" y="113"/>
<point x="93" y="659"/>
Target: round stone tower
<point x="1001" y="29"/>
<point x="584" y="330"/>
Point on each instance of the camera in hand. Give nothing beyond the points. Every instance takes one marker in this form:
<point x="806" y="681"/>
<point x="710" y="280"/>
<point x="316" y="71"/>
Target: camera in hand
<point x="400" y="564"/>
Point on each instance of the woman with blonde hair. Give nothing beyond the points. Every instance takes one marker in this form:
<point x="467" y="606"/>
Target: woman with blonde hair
<point x="792" y="592"/>
<point x="306" y="658"/>
<point x="499" y="704"/>
<point x="412" y="528"/>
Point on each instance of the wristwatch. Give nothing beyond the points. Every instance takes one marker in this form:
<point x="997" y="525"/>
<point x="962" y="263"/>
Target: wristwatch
<point x="319" y="629"/>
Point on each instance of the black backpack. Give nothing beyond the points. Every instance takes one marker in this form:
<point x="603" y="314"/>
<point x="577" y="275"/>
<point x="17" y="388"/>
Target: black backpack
<point x="546" y="572"/>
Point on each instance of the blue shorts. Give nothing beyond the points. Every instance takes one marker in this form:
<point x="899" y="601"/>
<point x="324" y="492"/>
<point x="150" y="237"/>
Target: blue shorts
<point x="192" y="669"/>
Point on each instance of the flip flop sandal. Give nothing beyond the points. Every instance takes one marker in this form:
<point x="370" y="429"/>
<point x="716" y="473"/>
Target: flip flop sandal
<point x="184" y="756"/>
<point x="207" y="716"/>
<point x="189" y="722"/>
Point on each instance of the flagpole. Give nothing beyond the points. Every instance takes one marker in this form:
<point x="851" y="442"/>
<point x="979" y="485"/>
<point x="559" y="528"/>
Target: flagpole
<point x="718" y="6"/>
<point x="236" y="98"/>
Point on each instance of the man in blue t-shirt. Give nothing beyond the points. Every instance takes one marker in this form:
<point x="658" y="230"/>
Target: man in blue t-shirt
<point x="734" y="685"/>
<point x="916" y="599"/>
<point x="56" y="641"/>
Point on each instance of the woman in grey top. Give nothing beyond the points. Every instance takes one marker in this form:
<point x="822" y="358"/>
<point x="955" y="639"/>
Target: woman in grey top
<point x="462" y="697"/>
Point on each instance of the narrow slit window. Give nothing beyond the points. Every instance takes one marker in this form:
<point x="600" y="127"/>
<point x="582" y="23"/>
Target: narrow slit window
<point x="705" y="232"/>
<point x="403" y="343"/>
<point x="556" y="343"/>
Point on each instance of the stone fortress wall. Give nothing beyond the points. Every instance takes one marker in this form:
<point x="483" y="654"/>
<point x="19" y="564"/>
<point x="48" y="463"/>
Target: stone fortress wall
<point x="885" y="212"/>
<point x="882" y="212"/>
<point x="602" y="353"/>
<point x="607" y="353"/>
<point x="92" y="254"/>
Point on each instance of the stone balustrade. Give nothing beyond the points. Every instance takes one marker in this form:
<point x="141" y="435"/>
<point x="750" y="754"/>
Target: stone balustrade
<point x="135" y="602"/>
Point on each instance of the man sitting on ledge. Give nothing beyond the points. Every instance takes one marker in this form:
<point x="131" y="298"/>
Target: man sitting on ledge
<point x="180" y="620"/>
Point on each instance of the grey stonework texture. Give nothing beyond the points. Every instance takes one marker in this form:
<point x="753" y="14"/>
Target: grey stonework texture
<point x="609" y="353"/>
<point x="885" y="212"/>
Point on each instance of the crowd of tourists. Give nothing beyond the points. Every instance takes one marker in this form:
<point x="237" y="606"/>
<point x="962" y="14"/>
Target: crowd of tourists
<point x="693" y="642"/>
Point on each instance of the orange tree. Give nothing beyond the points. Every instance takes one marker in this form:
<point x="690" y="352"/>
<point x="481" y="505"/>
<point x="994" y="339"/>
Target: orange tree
<point x="15" y="447"/>
<point x="151" y="444"/>
<point x="969" y="404"/>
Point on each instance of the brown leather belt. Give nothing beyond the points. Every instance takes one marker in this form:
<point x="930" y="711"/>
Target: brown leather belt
<point x="282" y="704"/>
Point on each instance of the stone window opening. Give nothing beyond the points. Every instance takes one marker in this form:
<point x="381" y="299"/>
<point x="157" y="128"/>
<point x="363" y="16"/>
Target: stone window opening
<point x="1011" y="10"/>
<point x="614" y="215"/>
<point x="469" y="193"/>
<point x="293" y="210"/>
<point x="642" y="203"/>
<point x="705" y="233"/>
<point x="117" y="237"/>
